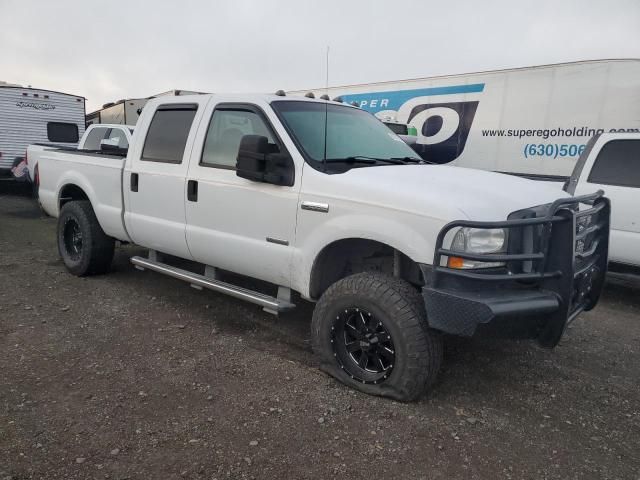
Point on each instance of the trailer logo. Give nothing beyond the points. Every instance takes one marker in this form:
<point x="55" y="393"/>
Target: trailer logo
<point x="443" y="129"/>
<point x="36" y="105"/>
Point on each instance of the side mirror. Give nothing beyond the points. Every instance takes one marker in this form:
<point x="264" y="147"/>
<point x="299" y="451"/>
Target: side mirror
<point x="260" y="161"/>
<point x="110" y="145"/>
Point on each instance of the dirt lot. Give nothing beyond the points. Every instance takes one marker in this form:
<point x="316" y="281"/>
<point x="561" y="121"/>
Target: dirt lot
<point x="136" y="376"/>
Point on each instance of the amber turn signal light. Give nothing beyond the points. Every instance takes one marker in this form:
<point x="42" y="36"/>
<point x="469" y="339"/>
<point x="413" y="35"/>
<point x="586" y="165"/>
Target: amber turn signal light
<point x="455" y="262"/>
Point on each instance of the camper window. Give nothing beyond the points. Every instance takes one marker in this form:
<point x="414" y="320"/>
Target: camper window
<point x="62" y="132"/>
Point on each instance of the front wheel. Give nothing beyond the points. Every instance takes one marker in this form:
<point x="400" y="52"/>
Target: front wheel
<point x="370" y="332"/>
<point x="82" y="244"/>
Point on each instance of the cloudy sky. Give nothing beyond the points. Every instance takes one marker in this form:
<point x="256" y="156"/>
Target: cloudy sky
<point x="118" y="49"/>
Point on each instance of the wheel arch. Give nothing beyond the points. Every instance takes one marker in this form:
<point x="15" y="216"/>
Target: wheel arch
<point x="71" y="192"/>
<point x="347" y="256"/>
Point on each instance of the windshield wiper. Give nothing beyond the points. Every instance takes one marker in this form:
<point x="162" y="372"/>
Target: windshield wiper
<point x="414" y="160"/>
<point x="370" y="160"/>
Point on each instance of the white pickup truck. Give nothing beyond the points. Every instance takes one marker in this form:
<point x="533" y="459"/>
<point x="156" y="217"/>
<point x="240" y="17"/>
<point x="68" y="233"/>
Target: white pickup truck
<point x="321" y="198"/>
<point x="611" y="162"/>
<point x="97" y="137"/>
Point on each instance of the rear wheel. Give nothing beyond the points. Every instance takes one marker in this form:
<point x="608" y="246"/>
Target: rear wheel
<point x="370" y="332"/>
<point x="82" y="244"/>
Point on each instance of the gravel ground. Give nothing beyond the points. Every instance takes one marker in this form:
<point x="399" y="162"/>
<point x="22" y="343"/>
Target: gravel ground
<point x="134" y="375"/>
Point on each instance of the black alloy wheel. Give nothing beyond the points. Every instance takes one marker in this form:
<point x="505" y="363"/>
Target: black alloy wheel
<point x="363" y="346"/>
<point x="73" y="239"/>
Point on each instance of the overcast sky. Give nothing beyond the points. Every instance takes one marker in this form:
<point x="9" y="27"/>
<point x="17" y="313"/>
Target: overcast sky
<point x="127" y="49"/>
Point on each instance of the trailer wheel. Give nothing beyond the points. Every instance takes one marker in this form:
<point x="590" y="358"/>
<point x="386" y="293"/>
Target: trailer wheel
<point x="82" y="244"/>
<point x="370" y="331"/>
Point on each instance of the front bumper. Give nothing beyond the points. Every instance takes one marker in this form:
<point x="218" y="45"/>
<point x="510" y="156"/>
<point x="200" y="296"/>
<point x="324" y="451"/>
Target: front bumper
<point x="554" y="269"/>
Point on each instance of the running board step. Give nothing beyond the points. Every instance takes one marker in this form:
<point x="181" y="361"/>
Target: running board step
<point x="270" y="304"/>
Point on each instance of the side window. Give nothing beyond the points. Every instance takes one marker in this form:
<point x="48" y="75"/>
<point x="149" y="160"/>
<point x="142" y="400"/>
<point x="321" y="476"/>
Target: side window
<point x="94" y="137"/>
<point x="168" y="132"/>
<point x="618" y="163"/>
<point x="62" y="132"/>
<point x="118" y="135"/>
<point x="225" y="131"/>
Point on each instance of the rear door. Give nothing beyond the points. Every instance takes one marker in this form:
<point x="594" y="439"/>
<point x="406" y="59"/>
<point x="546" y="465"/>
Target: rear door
<point x="616" y="170"/>
<point x="154" y="179"/>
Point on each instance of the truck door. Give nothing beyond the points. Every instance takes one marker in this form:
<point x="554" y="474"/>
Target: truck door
<point x="154" y="179"/>
<point x="616" y="170"/>
<point x="233" y="223"/>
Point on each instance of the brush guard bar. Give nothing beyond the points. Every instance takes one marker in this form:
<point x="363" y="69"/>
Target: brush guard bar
<point x="554" y="269"/>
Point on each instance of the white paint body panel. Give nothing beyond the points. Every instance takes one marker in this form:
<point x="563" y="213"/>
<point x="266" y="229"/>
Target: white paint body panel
<point x="403" y="206"/>
<point x="99" y="177"/>
<point x="625" y="205"/>
<point x="229" y="225"/>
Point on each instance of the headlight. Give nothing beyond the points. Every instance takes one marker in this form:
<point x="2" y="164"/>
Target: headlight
<point x="479" y="241"/>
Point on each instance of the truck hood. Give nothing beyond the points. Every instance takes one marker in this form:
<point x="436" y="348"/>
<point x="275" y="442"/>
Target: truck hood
<point x="449" y="193"/>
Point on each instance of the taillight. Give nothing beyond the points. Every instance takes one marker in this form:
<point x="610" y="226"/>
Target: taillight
<point x="26" y="159"/>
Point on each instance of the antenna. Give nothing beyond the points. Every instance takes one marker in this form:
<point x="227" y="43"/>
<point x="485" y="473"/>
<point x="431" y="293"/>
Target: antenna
<point x="326" y="111"/>
<point x="326" y="84"/>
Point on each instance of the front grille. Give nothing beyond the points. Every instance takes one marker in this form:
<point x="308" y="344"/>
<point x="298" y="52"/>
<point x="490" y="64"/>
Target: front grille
<point x="591" y="232"/>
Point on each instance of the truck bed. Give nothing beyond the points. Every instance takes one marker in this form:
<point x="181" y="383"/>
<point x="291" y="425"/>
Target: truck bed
<point x="98" y="174"/>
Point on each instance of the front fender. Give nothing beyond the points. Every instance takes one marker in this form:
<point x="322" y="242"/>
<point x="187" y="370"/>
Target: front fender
<point x="412" y="235"/>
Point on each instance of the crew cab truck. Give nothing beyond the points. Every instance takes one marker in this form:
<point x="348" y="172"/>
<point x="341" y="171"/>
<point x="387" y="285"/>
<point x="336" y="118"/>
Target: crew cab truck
<point x="611" y="162"/>
<point x="96" y="138"/>
<point x="320" y="198"/>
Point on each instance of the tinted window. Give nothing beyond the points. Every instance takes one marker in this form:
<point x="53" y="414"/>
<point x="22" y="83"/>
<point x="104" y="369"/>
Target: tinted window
<point x="93" y="138"/>
<point x="225" y="132"/>
<point x="62" y="132"/>
<point x="399" y="128"/>
<point x="168" y="132"/>
<point x="117" y="134"/>
<point x="618" y="163"/>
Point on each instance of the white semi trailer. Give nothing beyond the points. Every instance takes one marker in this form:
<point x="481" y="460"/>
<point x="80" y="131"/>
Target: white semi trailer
<point x="532" y="121"/>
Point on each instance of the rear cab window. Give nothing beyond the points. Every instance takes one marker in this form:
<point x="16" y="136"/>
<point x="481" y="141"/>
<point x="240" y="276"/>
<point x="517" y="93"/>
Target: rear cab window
<point x="118" y="135"/>
<point x="94" y="137"/>
<point x="168" y="132"/>
<point x="617" y="164"/>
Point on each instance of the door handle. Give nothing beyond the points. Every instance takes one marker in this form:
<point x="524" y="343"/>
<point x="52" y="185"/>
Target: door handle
<point x="134" y="182"/>
<point x="192" y="190"/>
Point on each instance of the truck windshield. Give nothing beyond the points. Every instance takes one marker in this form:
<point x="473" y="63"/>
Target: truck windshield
<point x="352" y="135"/>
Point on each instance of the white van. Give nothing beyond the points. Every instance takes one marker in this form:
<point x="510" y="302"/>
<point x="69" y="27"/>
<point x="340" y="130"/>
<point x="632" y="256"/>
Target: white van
<point x="532" y="121"/>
